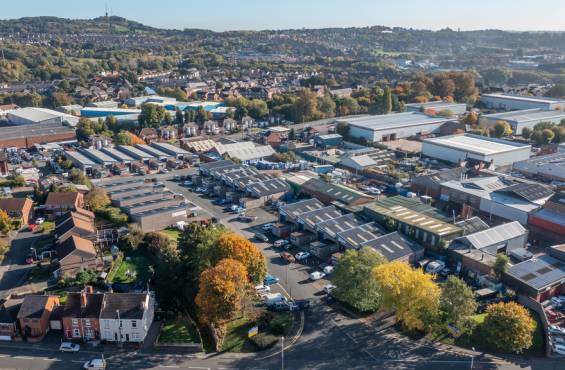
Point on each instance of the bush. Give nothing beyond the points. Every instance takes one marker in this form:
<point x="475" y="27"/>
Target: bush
<point x="113" y="215"/>
<point x="264" y="341"/>
<point x="4" y="249"/>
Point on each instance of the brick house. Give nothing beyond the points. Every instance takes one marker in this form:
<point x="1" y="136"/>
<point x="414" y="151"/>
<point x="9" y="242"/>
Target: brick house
<point x="148" y="134"/>
<point x="9" y="327"/>
<point x="76" y="254"/>
<point x="60" y="203"/>
<point x="34" y="316"/>
<point x="74" y="223"/>
<point x="18" y="208"/>
<point x="81" y="315"/>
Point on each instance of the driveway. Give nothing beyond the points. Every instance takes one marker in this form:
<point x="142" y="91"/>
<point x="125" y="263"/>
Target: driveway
<point x="13" y="270"/>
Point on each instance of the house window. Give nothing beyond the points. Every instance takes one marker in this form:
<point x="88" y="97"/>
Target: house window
<point x="106" y="324"/>
<point x="89" y="333"/>
<point x="121" y="324"/>
<point x="134" y="324"/>
<point x="134" y="336"/>
<point x="75" y="322"/>
<point x="76" y="333"/>
<point x="87" y="322"/>
<point x="107" y="334"/>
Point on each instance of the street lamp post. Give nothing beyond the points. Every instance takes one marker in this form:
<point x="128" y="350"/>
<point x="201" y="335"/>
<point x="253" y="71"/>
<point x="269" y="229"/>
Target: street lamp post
<point x="472" y="358"/>
<point x="119" y="329"/>
<point x="282" y="353"/>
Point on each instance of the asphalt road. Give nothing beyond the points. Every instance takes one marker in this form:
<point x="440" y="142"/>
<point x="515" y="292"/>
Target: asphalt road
<point x="13" y="269"/>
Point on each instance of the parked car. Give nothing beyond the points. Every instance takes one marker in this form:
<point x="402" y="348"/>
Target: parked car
<point x="288" y="257"/>
<point x="262" y="289"/>
<point x="558" y="301"/>
<point x="267" y="227"/>
<point x="271" y="299"/>
<point x="553" y="329"/>
<point x="177" y="178"/>
<point x="261" y="237"/>
<point x="328" y="288"/>
<point x="187" y="183"/>
<point x="95" y="364"/>
<point x="270" y="280"/>
<point x="39" y="220"/>
<point x="328" y="270"/>
<point x="244" y="218"/>
<point x="435" y="267"/>
<point x="301" y="256"/>
<point x="316" y="275"/>
<point x="557" y="340"/>
<point x="281" y="243"/>
<point x="559" y="349"/>
<point x="303" y="304"/>
<point x="69" y="347"/>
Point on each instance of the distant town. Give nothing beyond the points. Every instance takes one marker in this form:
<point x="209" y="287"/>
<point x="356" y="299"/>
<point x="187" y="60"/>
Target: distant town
<point x="198" y="200"/>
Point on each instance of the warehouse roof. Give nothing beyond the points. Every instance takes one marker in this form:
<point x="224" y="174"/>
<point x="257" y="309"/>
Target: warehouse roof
<point x="169" y="209"/>
<point x="295" y="209"/>
<point x="216" y="164"/>
<point x="79" y="157"/>
<point x="200" y="146"/>
<point x="99" y="156"/>
<point x="40" y="114"/>
<point x="239" y="173"/>
<point x="334" y="226"/>
<point x="415" y="219"/>
<point x="244" y="151"/>
<point x="539" y="272"/>
<point x="435" y="105"/>
<point x="530" y="192"/>
<point x="319" y="215"/>
<point x="495" y="235"/>
<point x="358" y="235"/>
<point x="394" y="246"/>
<point x="154" y="152"/>
<point x="526" y="115"/>
<point x="122" y="157"/>
<point x="393" y="120"/>
<point x="34" y="130"/>
<point x="269" y="187"/>
<point x="540" y="99"/>
<point x="413" y="204"/>
<point x="168" y="148"/>
<point x="134" y="152"/>
<point x="472" y="225"/>
<point x="247" y="180"/>
<point x="340" y="193"/>
<point x="476" y="144"/>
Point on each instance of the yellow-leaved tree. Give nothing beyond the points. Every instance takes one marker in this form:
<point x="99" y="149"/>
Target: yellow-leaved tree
<point x="221" y="292"/>
<point x="508" y="326"/>
<point x="240" y="249"/>
<point x="410" y="292"/>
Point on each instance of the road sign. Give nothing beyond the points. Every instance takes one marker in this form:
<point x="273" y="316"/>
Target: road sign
<point x="253" y="331"/>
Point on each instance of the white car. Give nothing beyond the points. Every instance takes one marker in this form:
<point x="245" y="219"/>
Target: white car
<point x="301" y="256"/>
<point x="559" y="349"/>
<point x="557" y="340"/>
<point x="69" y="347"/>
<point x="280" y="243"/>
<point x="267" y="227"/>
<point x="558" y="301"/>
<point x="95" y="364"/>
<point x="328" y="270"/>
<point x="374" y="190"/>
<point x="556" y="330"/>
<point x="316" y="275"/>
<point x="328" y="288"/>
<point x="39" y="220"/>
<point x="262" y="289"/>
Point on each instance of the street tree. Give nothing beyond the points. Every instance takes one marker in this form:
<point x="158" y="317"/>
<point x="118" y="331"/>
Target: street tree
<point x="457" y="303"/>
<point x="501" y="128"/>
<point x="221" y="291"/>
<point x="354" y="281"/>
<point x="508" y="326"/>
<point x="237" y="247"/>
<point x="97" y="198"/>
<point x="500" y="265"/>
<point x="410" y="292"/>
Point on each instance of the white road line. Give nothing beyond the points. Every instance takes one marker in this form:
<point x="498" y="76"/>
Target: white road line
<point x="25" y="357"/>
<point x="198" y="367"/>
<point x="171" y="366"/>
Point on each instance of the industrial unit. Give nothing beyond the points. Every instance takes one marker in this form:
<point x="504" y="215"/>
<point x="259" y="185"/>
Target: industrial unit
<point x="520" y="119"/>
<point x="437" y="106"/>
<point x="515" y="102"/>
<point x="457" y="148"/>
<point x="549" y="167"/>
<point x="393" y="126"/>
<point x="172" y="150"/>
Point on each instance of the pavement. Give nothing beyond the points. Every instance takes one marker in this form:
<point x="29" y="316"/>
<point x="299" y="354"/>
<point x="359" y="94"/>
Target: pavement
<point x="13" y="271"/>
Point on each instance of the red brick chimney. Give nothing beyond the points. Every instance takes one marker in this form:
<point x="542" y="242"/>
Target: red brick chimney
<point x="87" y="290"/>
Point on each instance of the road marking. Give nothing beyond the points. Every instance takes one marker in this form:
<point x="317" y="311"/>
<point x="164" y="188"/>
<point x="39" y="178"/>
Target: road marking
<point x="171" y="366"/>
<point x="25" y="357"/>
<point x="198" y="367"/>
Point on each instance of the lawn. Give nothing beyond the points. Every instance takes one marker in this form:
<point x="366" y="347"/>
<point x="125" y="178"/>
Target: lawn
<point x="172" y="234"/>
<point x="47" y="226"/>
<point x="39" y="274"/>
<point x="136" y="269"/>
<point x="476" y="339"/>
<point x="179" y="331"/>
<point x="236" y="339"/>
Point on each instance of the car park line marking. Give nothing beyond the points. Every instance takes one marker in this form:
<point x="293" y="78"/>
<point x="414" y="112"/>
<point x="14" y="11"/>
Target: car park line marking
<point x="198" y="367"/>
<point x="25" y="357"/>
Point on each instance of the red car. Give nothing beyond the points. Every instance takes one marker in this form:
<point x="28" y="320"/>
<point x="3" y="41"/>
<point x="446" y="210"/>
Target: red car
<point x="32" y="227"/>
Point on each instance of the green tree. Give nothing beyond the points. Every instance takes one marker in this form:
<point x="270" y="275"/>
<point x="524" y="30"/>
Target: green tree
<point x="258" y="108"/>
<point x="122" y="138"/>
<point x="526" y="133"/>
<point x="537" y="137"/>
<point x="291" y="134"/>
<point x="547" y="136"/>
<point x="342" y="128"/>
<point x="151" y="115"/>
<point x="97" y="198"/>
<point x="508" y="326"/>
<point x="5" y="223"/>
<point x="112" y="123"/>
<point x="236" y="247"/>
<point x="457" y="303"/>
<point x="354" y="281"/>
<point x="502" y="128"/>
<point x="500" y="265"/>
<point x="179" y="118"/>
<point x="78" y="177"/>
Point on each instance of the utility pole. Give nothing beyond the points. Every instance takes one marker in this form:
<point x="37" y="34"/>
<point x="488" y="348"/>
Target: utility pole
<point x="472" y="358"/>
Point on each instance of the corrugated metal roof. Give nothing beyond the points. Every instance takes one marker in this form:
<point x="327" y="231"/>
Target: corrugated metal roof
<point x="495" y="235"/>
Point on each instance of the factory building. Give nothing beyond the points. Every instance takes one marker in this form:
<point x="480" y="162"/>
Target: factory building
<point x="393" y="126"/>
<point x="434" y="107"/>
<point x="515" y="102"/>
<point x="457" y="148"/>
<point x="521" y="119"/>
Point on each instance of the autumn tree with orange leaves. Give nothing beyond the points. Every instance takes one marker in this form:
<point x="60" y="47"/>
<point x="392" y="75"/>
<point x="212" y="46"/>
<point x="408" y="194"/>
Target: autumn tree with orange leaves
<point x="222" y="289"/>
<point x="240" y="249"/>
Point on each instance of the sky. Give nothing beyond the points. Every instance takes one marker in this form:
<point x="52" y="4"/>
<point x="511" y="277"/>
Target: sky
<point x="222" y="15"/>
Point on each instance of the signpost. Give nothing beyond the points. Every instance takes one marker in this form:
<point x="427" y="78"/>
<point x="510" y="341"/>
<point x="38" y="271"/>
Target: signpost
<point x="253" y="332"/>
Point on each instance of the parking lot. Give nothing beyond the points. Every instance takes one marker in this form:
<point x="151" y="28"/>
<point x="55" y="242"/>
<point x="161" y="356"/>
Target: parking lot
<point x="294" y="278"/>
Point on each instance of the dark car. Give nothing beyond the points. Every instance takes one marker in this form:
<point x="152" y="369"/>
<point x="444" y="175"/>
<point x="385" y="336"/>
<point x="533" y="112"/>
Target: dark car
<point x="261" y="237"/>
<point x="303" y="304"/>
